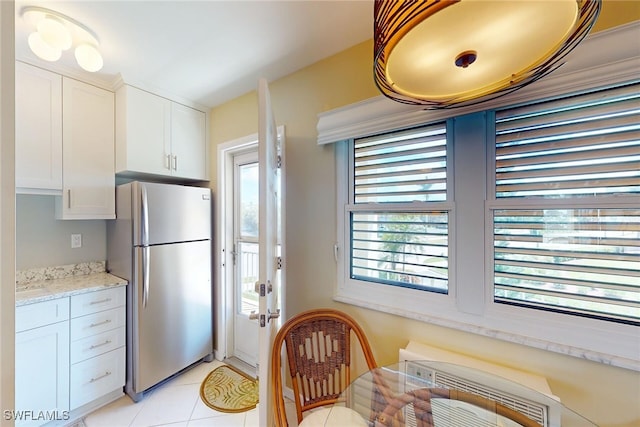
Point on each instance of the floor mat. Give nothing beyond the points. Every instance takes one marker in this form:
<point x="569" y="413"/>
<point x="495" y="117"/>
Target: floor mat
<point x="227" y="389"/>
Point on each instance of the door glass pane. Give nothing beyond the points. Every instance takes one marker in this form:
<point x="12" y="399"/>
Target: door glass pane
<point x="247" y="244"/>
<point x="249" y="199"/>
<point x="248" y="269"/>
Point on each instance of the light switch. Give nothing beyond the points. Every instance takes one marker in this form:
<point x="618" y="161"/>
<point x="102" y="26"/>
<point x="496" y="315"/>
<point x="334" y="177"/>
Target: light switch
<point x="76" y="241"/>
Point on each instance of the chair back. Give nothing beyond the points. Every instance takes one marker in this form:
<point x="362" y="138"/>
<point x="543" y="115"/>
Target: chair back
<point x="421" y="400"/>
<point x="318" y="351"/>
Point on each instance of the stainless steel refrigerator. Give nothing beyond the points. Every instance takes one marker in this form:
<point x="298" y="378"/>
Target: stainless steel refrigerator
<point x="161" y="243"/>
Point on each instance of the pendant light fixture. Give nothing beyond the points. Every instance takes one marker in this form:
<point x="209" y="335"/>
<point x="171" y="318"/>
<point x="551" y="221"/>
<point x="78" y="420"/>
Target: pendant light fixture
<point x="55" y="33"/>
<point x="451" y="53"/>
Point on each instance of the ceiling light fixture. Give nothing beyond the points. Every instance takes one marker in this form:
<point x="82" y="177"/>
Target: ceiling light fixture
<point x="451" y="53"/>
<point x="56" y="33"/>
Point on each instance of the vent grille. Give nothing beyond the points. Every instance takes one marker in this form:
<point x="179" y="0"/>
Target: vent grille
<point x="533" y="410"/>
<point x="526" y="393"/>
<point x="459" y="416"/>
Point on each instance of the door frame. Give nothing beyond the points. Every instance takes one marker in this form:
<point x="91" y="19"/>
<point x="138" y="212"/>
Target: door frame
<point x="223" y="285"/>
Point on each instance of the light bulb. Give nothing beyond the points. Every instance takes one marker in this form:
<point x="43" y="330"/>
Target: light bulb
<point x="54" y="33"/>
<point x="89" y="57"/>
<point x="43" y="50"/>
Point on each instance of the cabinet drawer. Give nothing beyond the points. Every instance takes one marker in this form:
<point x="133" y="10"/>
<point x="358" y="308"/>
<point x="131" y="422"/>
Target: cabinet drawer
<point x="93" y="302"/>
<point x="96" y="377"/>
<point x="96" y="345"/>
<point x="91" y="324"/>
<point x="41" y="313"/>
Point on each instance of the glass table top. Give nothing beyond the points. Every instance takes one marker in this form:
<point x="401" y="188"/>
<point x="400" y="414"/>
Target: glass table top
<point x="459" y="397"/>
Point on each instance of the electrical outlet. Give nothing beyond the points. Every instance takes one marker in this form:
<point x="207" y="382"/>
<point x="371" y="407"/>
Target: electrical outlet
<point x="76" y="241"/>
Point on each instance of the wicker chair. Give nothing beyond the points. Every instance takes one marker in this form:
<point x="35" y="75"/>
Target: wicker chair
<point x="318" y="349"/>
<point x="421" y="401"/>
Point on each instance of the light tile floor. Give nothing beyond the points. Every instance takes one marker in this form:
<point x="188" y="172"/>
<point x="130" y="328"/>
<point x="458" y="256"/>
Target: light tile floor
<point x="176" y="403"/>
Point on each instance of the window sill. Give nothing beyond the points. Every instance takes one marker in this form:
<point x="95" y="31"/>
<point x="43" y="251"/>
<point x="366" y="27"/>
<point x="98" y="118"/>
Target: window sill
<point x="593" y="356"/>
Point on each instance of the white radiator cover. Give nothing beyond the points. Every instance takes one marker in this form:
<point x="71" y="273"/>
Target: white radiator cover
<point x="535" y="399"/>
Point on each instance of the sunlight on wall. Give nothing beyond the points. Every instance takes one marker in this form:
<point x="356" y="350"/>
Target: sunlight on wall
<point x="604" y="394"/>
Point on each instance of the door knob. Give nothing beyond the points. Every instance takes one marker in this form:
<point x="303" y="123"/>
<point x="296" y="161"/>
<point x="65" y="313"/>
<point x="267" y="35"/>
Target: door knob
<point x="253" y="315"/>
<point x="274" y="315"/>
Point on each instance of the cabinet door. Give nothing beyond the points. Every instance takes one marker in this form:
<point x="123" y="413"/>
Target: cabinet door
<point x="142" y="132"/>
<point x="42" y="371"/>
<point x="188" y="142"/>
<point x="38" y="130"/>
<point x="88" y="152"/>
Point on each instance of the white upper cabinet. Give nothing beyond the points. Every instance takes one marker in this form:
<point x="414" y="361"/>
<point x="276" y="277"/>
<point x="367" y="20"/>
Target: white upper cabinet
<point x="65" y="139"/>
<point x="188" y="142"/>
<point x="143" y="131"/>
<point x="88" y="153"/>
<point x="38" y="130"/>
<point x="157" y="136"/>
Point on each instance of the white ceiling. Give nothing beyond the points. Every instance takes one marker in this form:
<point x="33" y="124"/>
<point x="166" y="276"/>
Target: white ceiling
<point x="207" y="52"/>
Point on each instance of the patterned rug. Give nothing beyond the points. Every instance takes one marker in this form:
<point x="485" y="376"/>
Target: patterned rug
<point x="227" y="389"/>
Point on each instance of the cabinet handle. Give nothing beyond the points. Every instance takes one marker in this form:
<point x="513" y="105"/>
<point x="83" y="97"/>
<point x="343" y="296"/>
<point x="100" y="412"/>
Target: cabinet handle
<point x="69" y="198"/>
<point x="100" y="345"/>
<point x="106" y="374"/>
<point x="100" y="301"/>
<point x="167" y="161"/>
<point x="93" y="325"/>
<point x="175" y="162"/>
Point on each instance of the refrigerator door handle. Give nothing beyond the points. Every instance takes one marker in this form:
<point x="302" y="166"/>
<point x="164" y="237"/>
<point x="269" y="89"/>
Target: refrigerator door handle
<point x="144" y="220"/>
<point x="145" y="276"/>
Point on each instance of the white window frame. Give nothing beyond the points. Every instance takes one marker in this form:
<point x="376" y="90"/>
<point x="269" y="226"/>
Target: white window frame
<point x="469" y="306"/>
<point x="376" y="295"/>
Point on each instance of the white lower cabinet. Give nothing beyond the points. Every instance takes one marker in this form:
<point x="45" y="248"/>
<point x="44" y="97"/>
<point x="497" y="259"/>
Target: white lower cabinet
<point x="70" y="352"/>
<point x="97" y="345"/>
<point x="42" y="362"/>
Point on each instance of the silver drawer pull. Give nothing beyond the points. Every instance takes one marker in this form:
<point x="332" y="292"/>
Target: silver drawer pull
<point x="106" y="374"/>
<point x="100" y="301"/>
<point x="93" y="325"/>
<point x="100" y="345"/>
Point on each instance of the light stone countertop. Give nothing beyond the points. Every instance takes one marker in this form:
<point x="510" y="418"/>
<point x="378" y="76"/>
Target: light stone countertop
<point x="73" y="284"/>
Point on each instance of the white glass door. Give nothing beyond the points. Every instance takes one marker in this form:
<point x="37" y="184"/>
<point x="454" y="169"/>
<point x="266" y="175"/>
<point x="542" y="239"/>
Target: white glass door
<point x="268" y="284"/>
<point x="245" y="256"/>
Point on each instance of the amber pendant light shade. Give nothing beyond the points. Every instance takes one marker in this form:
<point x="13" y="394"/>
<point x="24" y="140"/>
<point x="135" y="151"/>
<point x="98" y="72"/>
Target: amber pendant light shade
<point x="452" y="53"/>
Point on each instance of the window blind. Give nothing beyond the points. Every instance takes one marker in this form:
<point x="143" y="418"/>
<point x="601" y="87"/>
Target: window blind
<point x="583" y="260"/>
<point x="584" y="145"/>
<point x="397" y="237"/>
<point x="402" y="167"/>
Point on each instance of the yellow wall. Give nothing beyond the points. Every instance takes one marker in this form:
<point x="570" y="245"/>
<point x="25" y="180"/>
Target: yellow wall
<point x="617" y="12"/>
<point x="609" y="396"/>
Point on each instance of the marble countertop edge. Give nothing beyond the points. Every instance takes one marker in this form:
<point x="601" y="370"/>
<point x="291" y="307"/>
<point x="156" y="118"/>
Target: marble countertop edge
<point x="60" y="288"/>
